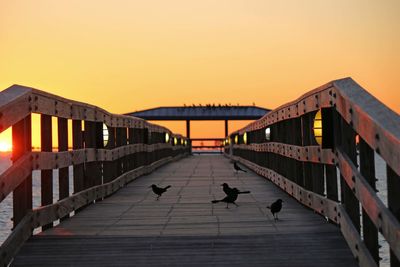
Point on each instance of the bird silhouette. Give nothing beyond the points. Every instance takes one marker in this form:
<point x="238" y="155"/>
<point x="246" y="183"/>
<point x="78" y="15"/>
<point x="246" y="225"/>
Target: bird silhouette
<point x="159" y="190"/>
<point x="237" y="168"/>
<point x="275" y="208"/>
<point x="228" y="190"/>
<point x="231" y="195"/>
<point x="231" y="198"/>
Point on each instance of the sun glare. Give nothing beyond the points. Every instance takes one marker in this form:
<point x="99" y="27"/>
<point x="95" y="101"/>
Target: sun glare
<point x="6" y="140"/>
<point x="4" y="146"/>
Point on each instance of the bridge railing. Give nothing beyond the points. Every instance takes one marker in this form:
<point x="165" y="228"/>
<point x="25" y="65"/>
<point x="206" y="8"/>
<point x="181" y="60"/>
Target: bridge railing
<point x="106" y="153"/>
<point x="211" y="145"/>
<point x="321" y="150"/>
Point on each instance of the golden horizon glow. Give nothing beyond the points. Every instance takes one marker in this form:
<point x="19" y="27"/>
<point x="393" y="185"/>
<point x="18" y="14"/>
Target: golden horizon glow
<point x="124" y="56"/>
<point x="5" y="146"/>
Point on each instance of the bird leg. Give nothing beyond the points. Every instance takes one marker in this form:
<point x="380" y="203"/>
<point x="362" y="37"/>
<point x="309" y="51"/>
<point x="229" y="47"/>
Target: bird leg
<point x="227" y="205"/>
<point x="235" y="204"/>
<point x="158" y="198"/>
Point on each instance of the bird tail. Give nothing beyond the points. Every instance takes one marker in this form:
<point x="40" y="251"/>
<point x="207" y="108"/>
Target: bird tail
<point x="243" y="170"/>
<point x="244" y="192"/>
<point x="215" y="201"/>
<point x="167" y="187"/>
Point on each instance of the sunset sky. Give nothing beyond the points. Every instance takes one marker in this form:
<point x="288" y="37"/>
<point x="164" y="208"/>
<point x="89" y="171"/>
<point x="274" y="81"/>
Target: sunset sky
<point x="126" y="55"/>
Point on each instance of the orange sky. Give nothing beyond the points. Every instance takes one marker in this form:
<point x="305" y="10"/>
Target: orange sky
<point x="126" y="55"/>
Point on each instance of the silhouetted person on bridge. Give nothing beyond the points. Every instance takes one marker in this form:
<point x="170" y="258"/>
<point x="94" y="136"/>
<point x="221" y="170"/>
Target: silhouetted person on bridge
<point x="159" y="190"/>
<point x="237" y="168"/>
<point x="275" y="208"/>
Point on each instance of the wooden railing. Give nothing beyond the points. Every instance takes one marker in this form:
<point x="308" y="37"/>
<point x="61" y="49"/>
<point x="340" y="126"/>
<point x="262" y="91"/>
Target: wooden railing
<point x="335" y="177"/>
<point x="134" y="147"/>
<point x="204" y="148"/>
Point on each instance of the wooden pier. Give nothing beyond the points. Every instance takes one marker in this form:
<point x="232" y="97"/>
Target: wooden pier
<point x="317" y="153"/>
<point x="184" y="228"/>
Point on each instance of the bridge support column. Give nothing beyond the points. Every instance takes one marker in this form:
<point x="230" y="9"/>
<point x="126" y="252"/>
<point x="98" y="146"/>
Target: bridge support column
<point x="226" y="128"/>
<point x="188" y="129"/>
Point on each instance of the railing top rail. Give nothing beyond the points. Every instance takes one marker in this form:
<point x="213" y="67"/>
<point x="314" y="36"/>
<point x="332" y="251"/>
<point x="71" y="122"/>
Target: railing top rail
<point x="378" y="125"/>
<point x="17" y="101"/>
<point x="365" y="104"/>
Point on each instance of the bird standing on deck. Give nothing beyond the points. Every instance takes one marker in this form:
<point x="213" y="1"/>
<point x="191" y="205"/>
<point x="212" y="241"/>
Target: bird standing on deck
<point x="228" y="190"/>
<point x="275" y="208"/>
<point x="231" y="195"/>
<point x="159" y="190"/>
<point x="231" y="198"/>
<point x="237" y="168"/>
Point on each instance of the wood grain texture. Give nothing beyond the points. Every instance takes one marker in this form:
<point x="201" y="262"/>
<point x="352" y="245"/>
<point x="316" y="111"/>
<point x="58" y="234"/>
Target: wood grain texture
<point x="132" y="228"/>
<point x="331" y="209"/>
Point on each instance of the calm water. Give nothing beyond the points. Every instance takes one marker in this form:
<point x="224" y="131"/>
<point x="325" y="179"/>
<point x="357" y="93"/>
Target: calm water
<point x="6" y="205"/>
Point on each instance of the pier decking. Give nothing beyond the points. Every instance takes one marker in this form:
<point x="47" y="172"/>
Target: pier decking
<point x="131" y="228"/>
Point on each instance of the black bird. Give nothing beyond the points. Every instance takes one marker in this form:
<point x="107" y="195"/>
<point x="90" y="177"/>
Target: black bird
<point x="237" y="168"/>
<point x="275" y="208"/>
<point x="159" y="190"/>
<point x="231" y="195"/>
<point x="231" y="198"/>
<point x="228" y="190"/>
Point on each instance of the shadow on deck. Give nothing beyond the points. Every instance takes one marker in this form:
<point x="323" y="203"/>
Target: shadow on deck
<point x="131" y="228"/>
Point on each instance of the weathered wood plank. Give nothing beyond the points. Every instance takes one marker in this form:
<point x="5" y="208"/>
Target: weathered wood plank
<point x="393" y="183"/>
<point x="46" y="175"/>
<point x="184" y="228"/>
<point x="367" y="170"/>
<point x="22" y="145"/>
<point x="77" y="143"/>
<point x="373" y="206"/>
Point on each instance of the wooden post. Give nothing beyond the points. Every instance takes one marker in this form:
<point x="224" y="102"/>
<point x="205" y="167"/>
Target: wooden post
<point x="349" y="200"/>
<point x="297" y="140"/>
<point x="77" y="143"/>
<point x="393" y="185"/>
<point x="332" y="190"/>
<point x="63" y="174"/>
<point x="109" y="166"/>
<point x="307" y="167"/>
<point x="317" y="171"/>
<point x="119" y="142"/>
<point x="22" y="143"/>
<point x="124" y="142"/>
<point x="367" y="169"/>
<point x="92" y="169"/>
<point x="146" y="141"/>
<point x="226" y="128"/>
<point x="137" y="139"/>
<point x="131" y="140"/>
<point x="331" y="182"/>
<point x="46" y="175"/>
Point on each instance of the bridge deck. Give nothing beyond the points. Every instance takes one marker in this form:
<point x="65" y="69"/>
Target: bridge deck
<point x="183" y="228"/>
